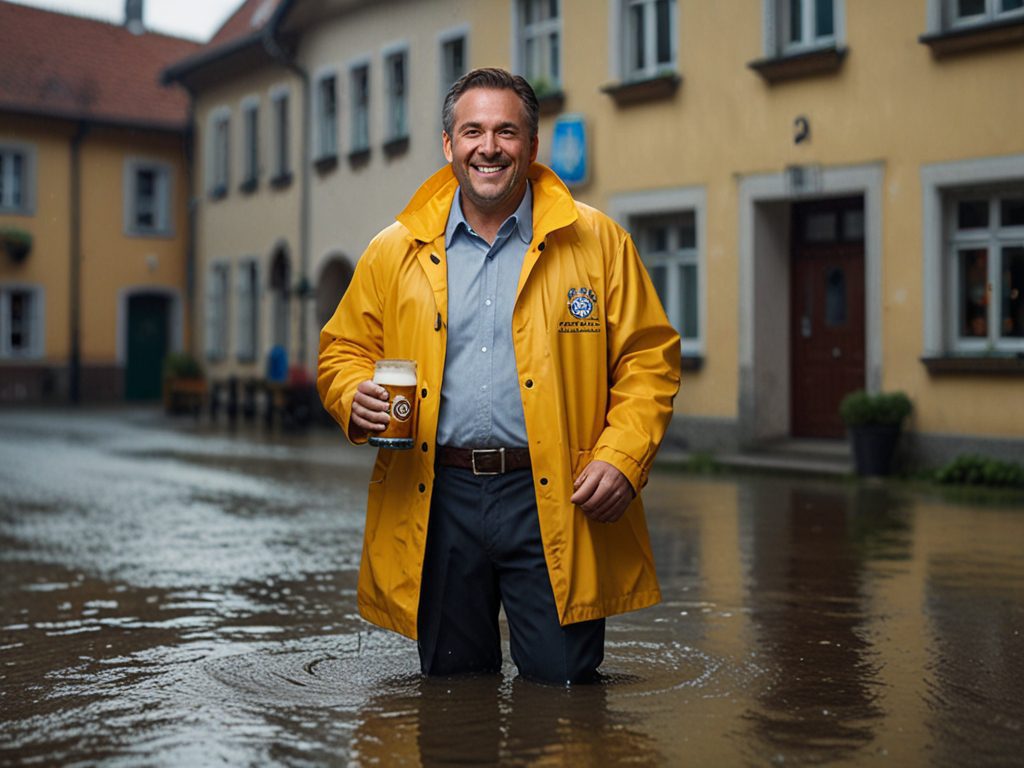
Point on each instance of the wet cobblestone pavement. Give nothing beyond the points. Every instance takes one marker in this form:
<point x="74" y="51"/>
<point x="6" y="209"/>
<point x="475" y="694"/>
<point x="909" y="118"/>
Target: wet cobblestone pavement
<point x="176" y="595"/>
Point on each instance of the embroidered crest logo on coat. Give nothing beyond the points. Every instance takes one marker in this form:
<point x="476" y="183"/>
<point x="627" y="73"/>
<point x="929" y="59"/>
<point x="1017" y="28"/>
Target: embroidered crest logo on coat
<point x="583" y="313"/>
<point x="582" y="303"/>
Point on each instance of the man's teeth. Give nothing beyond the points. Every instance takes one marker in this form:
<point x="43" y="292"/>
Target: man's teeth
<point x="489" y="168"/>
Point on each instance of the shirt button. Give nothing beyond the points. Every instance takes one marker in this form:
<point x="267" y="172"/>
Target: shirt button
<point x="483" y="388"/>
<point x="487" y="303"/>
<point x="483" y="349"/>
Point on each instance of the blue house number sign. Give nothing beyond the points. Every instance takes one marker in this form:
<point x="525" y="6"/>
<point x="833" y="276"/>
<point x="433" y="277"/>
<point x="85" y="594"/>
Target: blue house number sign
<point x="569" y="149"/>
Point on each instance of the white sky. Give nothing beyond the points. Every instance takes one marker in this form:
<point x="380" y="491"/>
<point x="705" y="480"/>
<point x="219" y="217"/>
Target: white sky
<point x="195" y="19"/>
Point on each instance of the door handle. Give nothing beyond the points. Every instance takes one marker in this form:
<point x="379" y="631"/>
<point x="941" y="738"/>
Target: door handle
<point x="836" y="352"/>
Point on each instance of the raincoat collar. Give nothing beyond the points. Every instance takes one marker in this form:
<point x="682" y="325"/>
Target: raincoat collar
<point x="426" y="215"/>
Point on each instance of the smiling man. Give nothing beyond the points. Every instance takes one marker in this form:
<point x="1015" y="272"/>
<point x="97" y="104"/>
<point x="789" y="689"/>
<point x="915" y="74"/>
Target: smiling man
<point x="547" y="371"/>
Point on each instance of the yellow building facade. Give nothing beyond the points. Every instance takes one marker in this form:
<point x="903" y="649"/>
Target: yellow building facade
<point x="828" y="195"/>
<point x="97" y="188"/>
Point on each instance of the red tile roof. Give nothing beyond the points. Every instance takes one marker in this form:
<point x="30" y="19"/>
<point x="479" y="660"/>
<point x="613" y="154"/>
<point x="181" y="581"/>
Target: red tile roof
<point x="251" y="17"/>
<point x="67" y="66"/>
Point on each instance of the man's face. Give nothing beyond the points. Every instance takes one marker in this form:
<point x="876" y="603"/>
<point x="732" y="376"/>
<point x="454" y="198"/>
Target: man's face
<point x="490" y="149"/>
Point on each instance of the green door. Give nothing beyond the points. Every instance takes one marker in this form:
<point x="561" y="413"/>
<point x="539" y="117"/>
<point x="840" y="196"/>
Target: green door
<point x="148" y="331"/>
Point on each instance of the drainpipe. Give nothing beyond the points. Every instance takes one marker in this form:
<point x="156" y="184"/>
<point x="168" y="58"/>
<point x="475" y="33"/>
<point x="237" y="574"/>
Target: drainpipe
<point x="75" y="271"/>
<point x="189" y="310"/>
<point x="274" y="50"/>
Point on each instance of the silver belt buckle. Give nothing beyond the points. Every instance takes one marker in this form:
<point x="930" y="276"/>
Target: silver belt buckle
<point x="499" y="451"/>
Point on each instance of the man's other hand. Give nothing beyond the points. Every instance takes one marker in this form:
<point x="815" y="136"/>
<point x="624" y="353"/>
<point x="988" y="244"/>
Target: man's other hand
<point x="369" y="408"/>
<point x="602" y="492"/>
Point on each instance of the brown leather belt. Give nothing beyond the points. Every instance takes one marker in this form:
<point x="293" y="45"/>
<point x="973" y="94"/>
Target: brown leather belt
<point x="484" y="461"/>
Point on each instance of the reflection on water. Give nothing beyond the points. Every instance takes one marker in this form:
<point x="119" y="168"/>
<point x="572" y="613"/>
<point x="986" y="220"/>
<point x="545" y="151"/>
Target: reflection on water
<point x="171" y="597"/>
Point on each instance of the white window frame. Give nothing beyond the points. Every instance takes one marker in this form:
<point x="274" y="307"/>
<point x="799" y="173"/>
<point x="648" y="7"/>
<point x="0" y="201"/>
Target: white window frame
<point x="326" y="114"/>
<point x="942" y="184"/>
<point x="280" y="128"/>
<point x="993" y="239"/>
<point x="218" y="290"/>
<point x="445" y="39"/>
<point x="219" y="152"/>
<point x="396" y="98"/>
<point x="629" y="208"/>
<point x="250" y="110"/>
<point x="163" y="198"/>
<point x="26" y="182"/>
<point x="775" y="26"/>
<point x="544" y="74"/>
<point x="247" y="309"/>
<point x="993" y="13"/>
<point x="36" y="346"/>
<point x="359" y="139"/>
<point x="620" y="46"/>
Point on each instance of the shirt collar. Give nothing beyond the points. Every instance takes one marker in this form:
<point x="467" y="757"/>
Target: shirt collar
<point x="522" y="218"/>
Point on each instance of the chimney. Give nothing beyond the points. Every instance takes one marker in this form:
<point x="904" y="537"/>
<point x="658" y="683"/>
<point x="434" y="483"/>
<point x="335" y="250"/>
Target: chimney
<point x="133" y="16"/>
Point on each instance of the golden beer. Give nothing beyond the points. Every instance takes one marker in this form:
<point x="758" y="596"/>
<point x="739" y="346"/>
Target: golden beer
<point x="398" y="377"/>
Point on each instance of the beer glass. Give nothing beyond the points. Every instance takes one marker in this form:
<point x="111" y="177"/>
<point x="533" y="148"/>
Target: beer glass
<point x="398" y="377"/>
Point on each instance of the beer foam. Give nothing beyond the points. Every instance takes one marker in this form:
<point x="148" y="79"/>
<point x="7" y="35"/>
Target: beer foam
<point x="395" y="378"/>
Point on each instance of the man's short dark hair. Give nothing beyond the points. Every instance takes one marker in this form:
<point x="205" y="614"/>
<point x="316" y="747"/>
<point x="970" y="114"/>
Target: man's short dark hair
<point x="498" y="79"/>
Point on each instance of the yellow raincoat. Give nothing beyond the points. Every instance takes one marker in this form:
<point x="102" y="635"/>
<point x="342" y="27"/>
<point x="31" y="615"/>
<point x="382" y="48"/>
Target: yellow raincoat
<point x="598" y="366"/>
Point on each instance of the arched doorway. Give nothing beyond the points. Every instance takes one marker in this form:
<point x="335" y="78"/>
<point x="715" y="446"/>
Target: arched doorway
<point x="334" y="279"/>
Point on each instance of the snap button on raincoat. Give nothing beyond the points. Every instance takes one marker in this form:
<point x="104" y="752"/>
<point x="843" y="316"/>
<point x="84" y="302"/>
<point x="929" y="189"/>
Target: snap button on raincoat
<point x="598" y="367"/>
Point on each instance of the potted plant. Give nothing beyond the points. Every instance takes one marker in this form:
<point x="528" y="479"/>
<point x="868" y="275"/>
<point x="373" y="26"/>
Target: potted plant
<point x="874" y="422"/>
<point x="17" y="242"/>
<point x="184" y="384"/>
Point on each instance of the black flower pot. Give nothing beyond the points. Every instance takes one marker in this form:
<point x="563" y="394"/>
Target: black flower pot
<point x="874" y="446"/>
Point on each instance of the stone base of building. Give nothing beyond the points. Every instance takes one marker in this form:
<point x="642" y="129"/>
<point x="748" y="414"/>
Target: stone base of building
<point x="47" y="383"/>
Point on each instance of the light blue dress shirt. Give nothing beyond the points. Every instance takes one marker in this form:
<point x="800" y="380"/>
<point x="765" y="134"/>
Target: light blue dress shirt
<point x="480" y="401"/>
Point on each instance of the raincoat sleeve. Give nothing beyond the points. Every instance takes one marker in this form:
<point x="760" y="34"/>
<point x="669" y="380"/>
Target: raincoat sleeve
<point x="352" y="341"/>
<point x="643" y="367"/>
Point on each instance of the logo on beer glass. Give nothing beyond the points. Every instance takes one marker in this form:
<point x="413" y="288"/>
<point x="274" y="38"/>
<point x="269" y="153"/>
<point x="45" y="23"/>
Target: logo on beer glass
<point x="398" y="377"/>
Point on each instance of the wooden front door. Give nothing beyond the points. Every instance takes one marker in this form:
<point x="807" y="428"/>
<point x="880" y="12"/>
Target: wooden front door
<point x="827" y="313"/>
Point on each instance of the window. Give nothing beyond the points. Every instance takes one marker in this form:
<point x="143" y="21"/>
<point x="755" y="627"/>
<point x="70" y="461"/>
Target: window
<point x="219" y="152"/>
<point x="147" y="203"/>
<point x="282" y="159"/>
<point x="216" y="312"/>
<point x="668" y="246"/>
<point x="21" y="321"/>
<point x="965" y="12"/>
<point x="806" y="24"/>
<point x="648" y="43"/>
<point x="454" y="60"/>
<point x="396" y="69"/>
<point x="251" y="143"/>
<point x="247" y="291"/>
<point x="360" y="81"/>
<point x="667" y="226"/>
<point x="326" y="116"/>
<point x="985" y="269"/>
<point x="16" y="173"/>
<point x="539" y="44"/>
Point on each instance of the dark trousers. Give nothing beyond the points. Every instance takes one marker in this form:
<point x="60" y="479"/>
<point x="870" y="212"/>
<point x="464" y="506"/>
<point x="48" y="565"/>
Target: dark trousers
<point x="484" y="551"/>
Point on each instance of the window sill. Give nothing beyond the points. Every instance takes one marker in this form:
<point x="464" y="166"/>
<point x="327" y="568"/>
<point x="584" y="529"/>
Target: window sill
<point x="357" y="158"/>
<point x="399" y="145"/>
<point x="248" y="186"/>
<point x="656" y="88"/>
<point x="1012" y="365"/>
<point x="326" y="163"/>
<point x="152" y="234"/>
<point x="219" y="192"/>
<point x="820" y="61"/>
<point x="691" y="363"/>
<point x="951" y="42"/>
<point x="551" y="103"/>
<point x="282" y="180"/>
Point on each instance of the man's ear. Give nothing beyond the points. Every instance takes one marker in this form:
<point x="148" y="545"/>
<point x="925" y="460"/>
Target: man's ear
<point x="534" y="146"/>
<point x="446" y="145"/>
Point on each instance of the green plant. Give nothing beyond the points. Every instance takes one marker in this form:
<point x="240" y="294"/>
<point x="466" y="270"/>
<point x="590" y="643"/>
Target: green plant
<point x="860" y="409"/>
<point x="972" y="469"/>
<point x="181" y="365"/>
<point x="16" y="241"/>
<point x="702" y="463"/>
<point x="543" y="87"/>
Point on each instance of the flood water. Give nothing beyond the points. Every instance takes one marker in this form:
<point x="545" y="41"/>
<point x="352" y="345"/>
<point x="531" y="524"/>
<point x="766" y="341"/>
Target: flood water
<point x="172" y="595"/>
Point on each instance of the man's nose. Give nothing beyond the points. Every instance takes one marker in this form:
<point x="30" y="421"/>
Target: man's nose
<point x="489" y="144"/>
